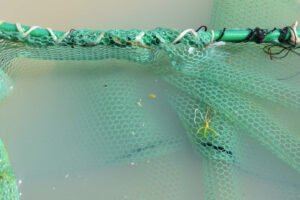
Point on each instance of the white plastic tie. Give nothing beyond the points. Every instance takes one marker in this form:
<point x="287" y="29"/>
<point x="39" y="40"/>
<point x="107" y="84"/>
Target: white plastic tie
<point x="160" y="38"/>
<point x="183" y="33"/>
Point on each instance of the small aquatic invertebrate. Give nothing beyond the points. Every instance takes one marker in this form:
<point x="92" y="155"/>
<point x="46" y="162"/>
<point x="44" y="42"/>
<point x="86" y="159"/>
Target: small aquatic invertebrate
<point x="152" y="96"/>
<point x="207" y="119"/>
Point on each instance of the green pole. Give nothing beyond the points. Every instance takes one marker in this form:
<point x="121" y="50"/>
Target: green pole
<point x="229" y="35"/>
<point x="240" y="34"/>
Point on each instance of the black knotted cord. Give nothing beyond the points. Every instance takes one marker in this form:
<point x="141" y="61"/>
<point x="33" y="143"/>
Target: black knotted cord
<point x="278" y="50"/>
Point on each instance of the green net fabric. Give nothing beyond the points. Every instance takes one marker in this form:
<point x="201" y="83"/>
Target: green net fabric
<point x="119" y="119"/>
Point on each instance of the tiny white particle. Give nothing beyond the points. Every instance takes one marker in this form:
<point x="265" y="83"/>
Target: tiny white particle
<point x="132" y="163"/>
<point x="20" y="181"/>
<point x="143" y="124"/>
<point x="67" y="175"/>
<point x="20" y="194"/>
<point x="11" y="87"/>
<point x="139" y="103"/>
<point x="132" y="133"/>
<point x="191" y="50"/>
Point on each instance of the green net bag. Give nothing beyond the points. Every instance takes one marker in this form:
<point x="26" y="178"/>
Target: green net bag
<point x="151" y="114"/>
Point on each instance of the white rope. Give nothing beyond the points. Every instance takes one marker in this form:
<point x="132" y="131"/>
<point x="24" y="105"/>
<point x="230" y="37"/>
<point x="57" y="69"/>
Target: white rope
<point x="212" y="36"/>
<point x="29" y="31"/>
<point x="160" y="38"/>
<point x="21" y="30"/>
<point x="181" y="35"/>
<point x="139" y="37"/>
<point x="55" y="38"/>
<point x="100" y="38"/>
<point x="25" y="34"/>
<point x="19" y="27"/>
<point x="212" y="43"/>
<point x="52" y="34"/>
<point x="63" y="37"/>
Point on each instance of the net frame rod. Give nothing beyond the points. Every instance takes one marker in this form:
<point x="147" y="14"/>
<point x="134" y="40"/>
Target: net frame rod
<point x="234" y="35"/>
<point x="240" y="35"/>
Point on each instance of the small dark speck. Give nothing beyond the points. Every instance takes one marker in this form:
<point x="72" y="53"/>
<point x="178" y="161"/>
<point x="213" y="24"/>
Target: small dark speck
<point x="105" y="85"/>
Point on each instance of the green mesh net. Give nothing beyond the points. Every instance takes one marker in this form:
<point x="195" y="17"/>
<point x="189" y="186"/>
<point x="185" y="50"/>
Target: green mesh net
<point x="133" y="115"/>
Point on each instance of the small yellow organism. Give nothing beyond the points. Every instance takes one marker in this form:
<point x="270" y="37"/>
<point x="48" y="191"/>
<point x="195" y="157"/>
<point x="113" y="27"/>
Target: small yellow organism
<point x="207" y="120"/>
<point x="152" y="96"/>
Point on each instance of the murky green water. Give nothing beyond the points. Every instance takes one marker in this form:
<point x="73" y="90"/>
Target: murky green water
<point x="70" y="134"/>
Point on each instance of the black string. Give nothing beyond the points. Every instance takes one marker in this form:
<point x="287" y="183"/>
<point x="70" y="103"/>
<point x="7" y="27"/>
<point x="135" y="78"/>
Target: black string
<point x="222" y="35"/>
<point x="284" y="48"/>
<point x="258" y="36"/>
<point x="198" y="29"/>
<point x="72" y="37"/>
<point x="283" y="51"/>
<point x="283" y="33"/>
<point x="247" y="39"/>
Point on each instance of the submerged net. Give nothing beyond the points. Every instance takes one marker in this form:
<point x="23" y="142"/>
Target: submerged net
<point x="131" y="112"/>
